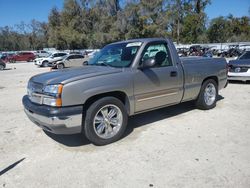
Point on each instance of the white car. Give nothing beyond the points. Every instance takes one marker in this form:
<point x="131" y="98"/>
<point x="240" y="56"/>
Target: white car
<point x="71" y="60"/>
<point x="41" y="53"/>
<point x="56" y="56"/>
<point x="239" y="69"/>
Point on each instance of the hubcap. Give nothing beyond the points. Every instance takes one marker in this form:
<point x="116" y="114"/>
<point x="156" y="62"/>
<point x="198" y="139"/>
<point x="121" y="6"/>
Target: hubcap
<point x="210" y="94"/>
<point x="108" y="121"/>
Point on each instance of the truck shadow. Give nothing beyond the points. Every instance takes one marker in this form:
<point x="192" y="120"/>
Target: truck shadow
<point x="160" y="114"/>
<point x="157" y="115"/>
<point x="73" y="140"/>
<point x="133" y="123"/>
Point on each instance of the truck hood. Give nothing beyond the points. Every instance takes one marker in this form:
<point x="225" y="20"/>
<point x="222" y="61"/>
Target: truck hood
<point x="69" y="75"/>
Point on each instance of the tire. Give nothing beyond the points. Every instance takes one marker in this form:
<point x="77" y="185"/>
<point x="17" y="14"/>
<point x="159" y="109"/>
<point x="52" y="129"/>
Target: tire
<point x="1" y="67"/>
<point x="96" y="132"/>
<point x="45" y="63"/>
<point x="12" y="61"/>
<point x="60" y="66"/>
<point x="208" y="95"/>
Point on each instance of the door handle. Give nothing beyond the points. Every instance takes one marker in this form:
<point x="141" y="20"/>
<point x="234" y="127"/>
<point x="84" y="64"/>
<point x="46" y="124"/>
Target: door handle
<point x="173" y="73"/>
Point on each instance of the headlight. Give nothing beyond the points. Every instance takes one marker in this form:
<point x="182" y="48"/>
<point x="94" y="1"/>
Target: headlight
<point x="53" y="95"/>
<point x="53" y="89"/>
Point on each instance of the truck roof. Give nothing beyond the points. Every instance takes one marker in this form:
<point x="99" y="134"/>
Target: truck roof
<point x="141" y="40"/>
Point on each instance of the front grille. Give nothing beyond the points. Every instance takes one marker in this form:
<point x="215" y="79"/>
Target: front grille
<point x="34" y="88"/>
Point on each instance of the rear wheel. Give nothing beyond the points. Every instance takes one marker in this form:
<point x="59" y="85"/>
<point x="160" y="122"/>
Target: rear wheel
<point x="30" y="60"/>
<point x="12" y="61"/>
<point x="105" y="121"/>
<point x="208" y="95"/>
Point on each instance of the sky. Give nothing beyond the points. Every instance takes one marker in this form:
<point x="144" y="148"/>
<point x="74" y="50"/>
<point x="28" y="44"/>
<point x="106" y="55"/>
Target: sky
<point x="15" y="11"/>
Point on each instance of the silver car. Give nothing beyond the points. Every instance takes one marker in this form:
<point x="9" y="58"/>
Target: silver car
<point x="71" y="60"/>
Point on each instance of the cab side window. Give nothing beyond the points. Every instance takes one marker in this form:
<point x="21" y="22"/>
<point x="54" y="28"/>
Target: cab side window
<point x="159" y="52"/>
<point x="78" y="57"/>
<point x="71" y="57"/>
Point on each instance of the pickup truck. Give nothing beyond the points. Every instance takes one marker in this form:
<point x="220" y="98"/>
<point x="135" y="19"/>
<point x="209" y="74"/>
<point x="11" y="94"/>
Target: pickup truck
<point x="123" y="79"/>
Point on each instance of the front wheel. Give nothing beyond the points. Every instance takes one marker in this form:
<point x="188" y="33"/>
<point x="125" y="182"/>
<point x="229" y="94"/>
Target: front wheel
<point x="105" y="121"/>
<point x="208" y="95"/>
<point x="60" y="66"/>
<point x="1" y="67"/>
<point x="45" y="64"/>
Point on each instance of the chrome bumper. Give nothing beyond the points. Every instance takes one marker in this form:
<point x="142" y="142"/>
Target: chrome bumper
<point x="64" y="120"/>
<point x="57" y="125"/>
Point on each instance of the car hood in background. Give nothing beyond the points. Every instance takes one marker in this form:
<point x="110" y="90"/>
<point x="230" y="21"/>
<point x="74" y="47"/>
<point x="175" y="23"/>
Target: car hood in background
<point x="69" y="75"/>
<point x="240" y="63"/>
<point x="41" y="59"/>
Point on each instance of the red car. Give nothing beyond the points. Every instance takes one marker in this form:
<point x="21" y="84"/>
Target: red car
<point x="22" y="56"/>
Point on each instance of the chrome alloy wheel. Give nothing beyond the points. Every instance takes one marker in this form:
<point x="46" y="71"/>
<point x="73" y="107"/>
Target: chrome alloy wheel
<point x="108" y="121"/>
<point x="210" y="94"/>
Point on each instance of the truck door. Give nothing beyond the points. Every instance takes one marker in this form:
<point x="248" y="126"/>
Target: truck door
<point x="159" y="85"/>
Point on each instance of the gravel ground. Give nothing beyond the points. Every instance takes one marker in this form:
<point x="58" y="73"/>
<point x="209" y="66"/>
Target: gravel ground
<point x="177" y="146"/>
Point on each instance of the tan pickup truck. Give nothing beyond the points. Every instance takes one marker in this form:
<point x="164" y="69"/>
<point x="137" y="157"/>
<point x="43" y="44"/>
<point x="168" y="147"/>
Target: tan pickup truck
<point x="124" y="79"/>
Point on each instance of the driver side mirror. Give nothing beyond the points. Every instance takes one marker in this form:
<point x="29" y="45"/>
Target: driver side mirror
<point x="148" y="63"/>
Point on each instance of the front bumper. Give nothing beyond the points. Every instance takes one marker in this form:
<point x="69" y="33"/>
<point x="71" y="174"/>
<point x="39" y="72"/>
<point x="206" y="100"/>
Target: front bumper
<point x="241" y="76"/>
<point x="64" y="120"/>
<point x="53" y="65"/>
<point x="37" y="62"/>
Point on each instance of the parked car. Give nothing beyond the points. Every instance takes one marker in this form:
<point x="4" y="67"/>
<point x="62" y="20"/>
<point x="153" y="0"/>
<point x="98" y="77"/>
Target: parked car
<point x="74" y="52"/>
<point x="195" y="50"/>
<point x="41" y="53"/>
<point x="232" y="52"/>
<point x="44" y="62"/>
<point x="97" y="99"/>
<point x="6" y="57"/>
<point x="208" y="53"/>
<point x="2" y="65"/>
<point x="239" y="69"/>
<point x="22" y="56"/>
<point x="182" y="52"/>
<point x="72" y="60"/>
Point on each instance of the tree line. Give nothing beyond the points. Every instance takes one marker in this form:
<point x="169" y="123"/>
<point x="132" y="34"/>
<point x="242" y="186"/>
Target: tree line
<point x="93" y="23"/>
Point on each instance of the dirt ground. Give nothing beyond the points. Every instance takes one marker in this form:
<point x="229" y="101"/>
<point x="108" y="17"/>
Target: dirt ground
<point x="177" y="146"/>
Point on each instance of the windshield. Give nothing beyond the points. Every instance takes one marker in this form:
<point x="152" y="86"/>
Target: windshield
<point x="65" y="57"/>
<point x="116" y="55"/>
<point x="48" y="55"/>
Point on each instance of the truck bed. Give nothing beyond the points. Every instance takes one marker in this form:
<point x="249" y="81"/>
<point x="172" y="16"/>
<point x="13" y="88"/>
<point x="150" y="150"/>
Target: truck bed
<point x="197" y="69"/>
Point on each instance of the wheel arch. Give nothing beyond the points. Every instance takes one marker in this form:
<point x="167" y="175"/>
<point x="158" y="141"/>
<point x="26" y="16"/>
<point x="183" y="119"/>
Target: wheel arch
<point x="215" y="78"/>
<point x="122" y="96"/>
